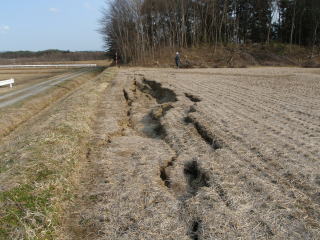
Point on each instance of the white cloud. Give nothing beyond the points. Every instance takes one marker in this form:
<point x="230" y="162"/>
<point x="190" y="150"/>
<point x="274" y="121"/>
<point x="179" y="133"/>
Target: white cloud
<point x="4" y="28"/>
<point x="54" y="10"/>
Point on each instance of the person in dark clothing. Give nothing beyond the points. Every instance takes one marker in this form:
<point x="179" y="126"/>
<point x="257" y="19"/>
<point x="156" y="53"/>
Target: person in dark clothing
<point x="177" y="58"/>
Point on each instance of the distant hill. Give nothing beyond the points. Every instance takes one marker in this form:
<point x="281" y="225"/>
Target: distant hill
<point x="51" y="55"/>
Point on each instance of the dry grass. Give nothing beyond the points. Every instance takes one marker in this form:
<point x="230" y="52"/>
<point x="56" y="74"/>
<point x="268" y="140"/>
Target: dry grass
<point x="261" y="127"/>
<point x="203" y="154"/>
<point x="41" y="159"/>
<point x="122" y="196"/>
<point x="170" y="154"/>
<point x="234" y="56"/>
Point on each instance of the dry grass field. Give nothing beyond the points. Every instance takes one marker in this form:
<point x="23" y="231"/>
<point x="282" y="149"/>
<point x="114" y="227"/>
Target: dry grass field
<point x="43" y="140"/>
<point x="169" y="154"/>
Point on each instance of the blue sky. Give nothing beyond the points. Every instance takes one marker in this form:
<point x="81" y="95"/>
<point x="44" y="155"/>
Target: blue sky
<point x="50" y="24"/>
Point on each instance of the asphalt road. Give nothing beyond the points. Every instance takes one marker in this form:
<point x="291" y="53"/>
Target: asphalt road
<point x="21" y="94"/>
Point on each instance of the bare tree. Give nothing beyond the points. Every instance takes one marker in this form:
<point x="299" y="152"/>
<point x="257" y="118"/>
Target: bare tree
<point x="139" y="28"/>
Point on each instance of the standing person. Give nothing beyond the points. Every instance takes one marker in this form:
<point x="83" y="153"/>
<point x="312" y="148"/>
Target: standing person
<point x="116" y="59"/>
<point x="177" y="58"/>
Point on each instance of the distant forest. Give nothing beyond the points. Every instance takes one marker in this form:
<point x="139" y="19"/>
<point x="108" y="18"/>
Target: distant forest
<point x="50" y="55"/>
<point x="135" y="28"/>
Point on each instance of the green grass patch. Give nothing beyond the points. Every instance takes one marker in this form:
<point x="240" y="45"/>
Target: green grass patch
<point x="23" y="209"/>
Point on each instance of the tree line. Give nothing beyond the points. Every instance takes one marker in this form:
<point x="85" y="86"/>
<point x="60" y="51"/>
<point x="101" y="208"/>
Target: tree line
<point x="51" y="55"/>
<point x="136" y="28"/>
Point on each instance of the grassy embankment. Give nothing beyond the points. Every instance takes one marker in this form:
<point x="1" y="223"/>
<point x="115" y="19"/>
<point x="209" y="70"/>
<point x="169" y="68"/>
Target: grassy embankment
<point x="40" y="161"/>
<point x="235" y="56"/>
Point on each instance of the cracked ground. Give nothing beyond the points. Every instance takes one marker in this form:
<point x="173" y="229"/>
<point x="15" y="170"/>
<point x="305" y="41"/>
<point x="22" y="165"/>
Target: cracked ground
<point x="203" y="154"/>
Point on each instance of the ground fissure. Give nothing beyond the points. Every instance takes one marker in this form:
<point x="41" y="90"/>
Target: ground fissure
<point x="165" y="155"/>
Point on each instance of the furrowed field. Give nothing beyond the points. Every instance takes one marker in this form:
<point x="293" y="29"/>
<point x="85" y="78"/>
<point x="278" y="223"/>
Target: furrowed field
<point x="143" y="153"/>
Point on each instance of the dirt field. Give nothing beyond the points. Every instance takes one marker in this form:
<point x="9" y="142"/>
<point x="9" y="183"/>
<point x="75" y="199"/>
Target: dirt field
<point x="204" y="154"/>
<point x="180" y="154"/>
